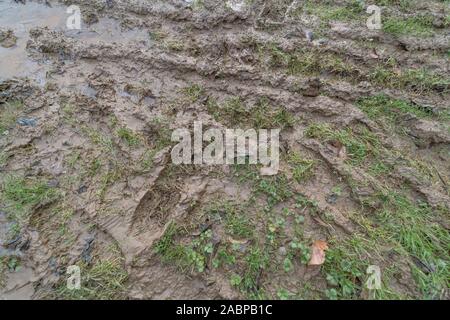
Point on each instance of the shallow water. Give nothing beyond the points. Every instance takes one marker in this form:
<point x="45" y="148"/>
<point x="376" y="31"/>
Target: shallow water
<point x="15" y="62"/>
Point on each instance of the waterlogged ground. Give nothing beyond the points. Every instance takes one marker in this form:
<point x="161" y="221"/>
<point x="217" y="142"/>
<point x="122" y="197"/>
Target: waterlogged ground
<point x="86" y="177"/>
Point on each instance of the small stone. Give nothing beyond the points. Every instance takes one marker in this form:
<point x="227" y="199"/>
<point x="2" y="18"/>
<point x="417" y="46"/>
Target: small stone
<point x="82" y="189"/>
<point x="282" y="251"/>
<point x="110" y="3"/>
<point x="332" y="198"/>
<point x="31" y="122"/>
<point x="53" y="183"/>
<point x="309" y="35"/>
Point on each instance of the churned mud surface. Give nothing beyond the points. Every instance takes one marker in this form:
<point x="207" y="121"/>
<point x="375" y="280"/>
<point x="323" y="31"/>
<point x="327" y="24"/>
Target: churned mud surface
<point x="86" y="178"/>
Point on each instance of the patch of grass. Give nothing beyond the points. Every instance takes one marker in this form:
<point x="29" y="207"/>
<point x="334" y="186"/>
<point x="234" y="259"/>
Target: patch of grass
<point x="344" y="273"/>
<point x="147" y="159"/>
<point x="246" y="172"/>
<point x="276" y="227"/>
<point x="379" y="167"/>
<point x="94" y="167"/>
<point x="173" y="44"/>
<point x="314" y="62"/>
<point x="283" y="294"/>
<point x="417" y="80"/>
<point x="198" y="4"/>
<point x="157" y="35"/>
<point x="359" y="144"/>
<point x="350" y="11"/>
<point x="105" y="280"/>
<point x="413" y="226"/>
<point x="267" y="117"/>
<point x="72" y="159"/>
<point x="276" y="188"/>
<point x="301" y="168"/>
<point x="99" y="139"/>
<point x="383" y="107"/>
<point x="299" y="250"/>
<point x="276" y="56"/>
<point x="3" y="158"/>
<point x="235" y="280"/>
<point x="194" y="92"/>
<point x="346" y="264"/>
<point x="223" y="257"/>
<point x="192" y="256"/>
<point x="22" y="194"/>
<point x="419" y="26"/>
<point x="262" y="115"/>
<point x="424" y="169"/>
<point x="404" y="4"/>
<point x="166" y="242"/>
<point x="9" y="112"/>
<point x="233" y="111"/>
<point x="237" y="222"/>
<point x="255" y="262"/>
<point x="109" y="177"/>
<point x="130" y="138"/>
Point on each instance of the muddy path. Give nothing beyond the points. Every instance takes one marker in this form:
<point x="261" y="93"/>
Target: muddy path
<point x="85" y="140"/>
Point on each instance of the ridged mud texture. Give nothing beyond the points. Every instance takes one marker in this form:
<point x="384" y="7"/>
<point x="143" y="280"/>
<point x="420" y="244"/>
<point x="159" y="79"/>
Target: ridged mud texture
<point x="365" y="149"/>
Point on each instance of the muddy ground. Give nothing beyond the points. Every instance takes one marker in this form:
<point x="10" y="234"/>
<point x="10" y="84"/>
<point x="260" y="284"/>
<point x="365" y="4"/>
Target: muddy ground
<point x="86" y="177"/>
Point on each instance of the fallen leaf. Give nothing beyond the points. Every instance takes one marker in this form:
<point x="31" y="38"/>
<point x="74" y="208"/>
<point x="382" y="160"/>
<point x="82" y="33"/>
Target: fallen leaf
<point x="318" y="249"/>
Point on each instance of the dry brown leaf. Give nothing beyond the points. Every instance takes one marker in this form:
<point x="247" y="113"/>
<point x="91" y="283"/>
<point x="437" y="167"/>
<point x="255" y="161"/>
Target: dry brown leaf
<point x="318" y="249"/>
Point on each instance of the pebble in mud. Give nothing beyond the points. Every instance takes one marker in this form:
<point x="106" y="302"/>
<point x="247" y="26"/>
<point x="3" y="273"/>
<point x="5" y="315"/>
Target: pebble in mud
<point x="332" y="198"/>
<point x="82" y="189"/>
<point x="110" y="3"/>
<point x="86" y="255"/>
<point x="309" y="35"/>
<point x="27" y="122"/>
<point x="53" y="183"/>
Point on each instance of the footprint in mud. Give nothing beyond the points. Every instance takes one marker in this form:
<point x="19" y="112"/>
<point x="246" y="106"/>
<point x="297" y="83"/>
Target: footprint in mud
<point x="155" y="208"/>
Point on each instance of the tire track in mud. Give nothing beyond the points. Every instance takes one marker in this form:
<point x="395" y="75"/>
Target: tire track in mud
<point x="217" y="58"/>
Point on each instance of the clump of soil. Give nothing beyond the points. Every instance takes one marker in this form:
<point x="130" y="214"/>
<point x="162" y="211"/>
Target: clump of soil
<point x="7" y="38"/>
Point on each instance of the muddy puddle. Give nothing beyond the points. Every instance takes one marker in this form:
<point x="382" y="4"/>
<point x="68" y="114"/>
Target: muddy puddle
<point x="15" y="61"/>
